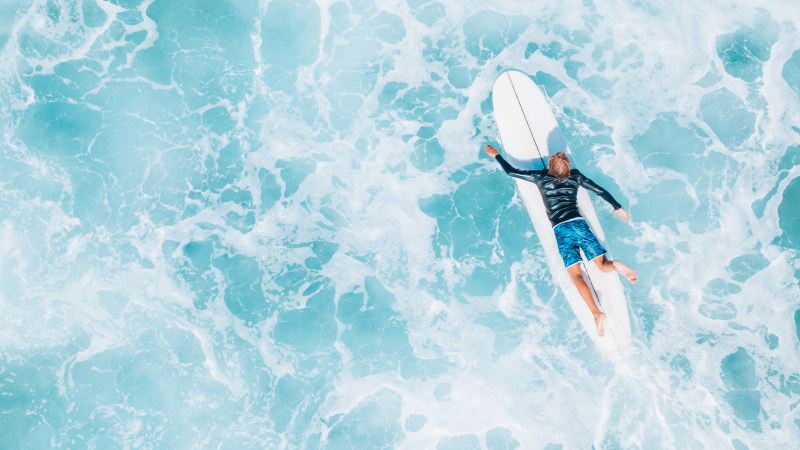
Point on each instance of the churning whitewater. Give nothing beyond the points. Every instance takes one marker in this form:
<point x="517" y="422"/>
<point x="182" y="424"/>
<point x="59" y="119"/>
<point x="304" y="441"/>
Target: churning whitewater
<point x="242" y="224"/>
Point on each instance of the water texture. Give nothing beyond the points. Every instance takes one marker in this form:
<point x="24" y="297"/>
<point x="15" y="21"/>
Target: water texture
<point x="240" y="224"/>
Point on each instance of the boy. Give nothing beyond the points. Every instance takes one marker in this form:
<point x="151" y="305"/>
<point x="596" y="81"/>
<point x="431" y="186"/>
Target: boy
<point x="559" y="187"/>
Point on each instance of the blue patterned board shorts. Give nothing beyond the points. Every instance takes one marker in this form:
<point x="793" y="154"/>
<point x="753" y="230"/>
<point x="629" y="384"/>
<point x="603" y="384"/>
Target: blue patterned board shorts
<point x="574" y="235"/>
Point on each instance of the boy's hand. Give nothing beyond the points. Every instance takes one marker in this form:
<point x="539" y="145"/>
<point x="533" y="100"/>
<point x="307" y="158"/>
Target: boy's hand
<point x="490" y="150"/>
<point x="622" y="214"/>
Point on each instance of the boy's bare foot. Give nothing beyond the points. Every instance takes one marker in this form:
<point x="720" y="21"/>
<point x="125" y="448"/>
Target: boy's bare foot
<point x="599" y="319"/>
<point x="626" y="271"/>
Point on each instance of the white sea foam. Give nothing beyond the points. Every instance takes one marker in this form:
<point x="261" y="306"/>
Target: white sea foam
<point x="99" y="294"/>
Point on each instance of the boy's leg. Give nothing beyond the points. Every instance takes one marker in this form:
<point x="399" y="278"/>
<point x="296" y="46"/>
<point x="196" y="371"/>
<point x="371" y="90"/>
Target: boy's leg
<point x="608" y="266"/>
<point x="583" y="288"/>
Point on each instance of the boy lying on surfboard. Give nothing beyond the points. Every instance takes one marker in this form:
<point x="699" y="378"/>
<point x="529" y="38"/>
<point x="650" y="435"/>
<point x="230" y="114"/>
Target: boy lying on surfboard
<point x="559" y="187"/>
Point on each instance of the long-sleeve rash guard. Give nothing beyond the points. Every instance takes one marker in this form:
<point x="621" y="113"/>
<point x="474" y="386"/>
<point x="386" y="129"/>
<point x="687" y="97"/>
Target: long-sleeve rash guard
<point x="560" y="198"/>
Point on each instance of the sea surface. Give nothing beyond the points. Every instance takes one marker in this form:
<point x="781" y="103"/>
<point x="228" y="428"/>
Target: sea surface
<point x="245" y="225"/>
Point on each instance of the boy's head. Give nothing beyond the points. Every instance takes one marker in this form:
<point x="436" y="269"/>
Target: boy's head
<point x="558" y="166"/>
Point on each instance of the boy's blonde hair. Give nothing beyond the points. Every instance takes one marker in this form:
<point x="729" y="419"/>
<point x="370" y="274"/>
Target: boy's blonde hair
<point x="558" y="166"/>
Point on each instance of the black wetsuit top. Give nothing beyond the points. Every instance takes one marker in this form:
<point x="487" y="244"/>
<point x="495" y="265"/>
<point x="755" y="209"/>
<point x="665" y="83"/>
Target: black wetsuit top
<point x="560" y="198"/>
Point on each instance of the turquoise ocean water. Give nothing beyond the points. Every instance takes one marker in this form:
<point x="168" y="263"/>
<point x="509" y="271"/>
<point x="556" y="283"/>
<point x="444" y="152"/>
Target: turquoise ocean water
<point x="239" y="224"/>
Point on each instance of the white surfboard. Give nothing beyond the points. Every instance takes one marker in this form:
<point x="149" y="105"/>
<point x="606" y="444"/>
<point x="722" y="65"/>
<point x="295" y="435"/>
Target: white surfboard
<point x="529" y="133"/>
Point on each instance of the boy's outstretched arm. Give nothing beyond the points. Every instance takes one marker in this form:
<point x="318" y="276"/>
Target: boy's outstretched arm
<point x="529" y="175"/>
<point x="590" y="185"/>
